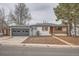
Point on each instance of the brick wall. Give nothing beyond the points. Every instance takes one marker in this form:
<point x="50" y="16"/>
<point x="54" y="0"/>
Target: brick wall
<point x="54" y="30"/>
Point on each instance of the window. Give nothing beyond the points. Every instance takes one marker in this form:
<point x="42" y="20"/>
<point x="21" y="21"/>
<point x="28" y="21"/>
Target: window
<point x="23" y="31"/>
<point x="45" y="28"/>
<point x="18" y="31"/>
<point x="26" y="31"/>
<point x="58" y="28"/>
<point x="14" y="31"/>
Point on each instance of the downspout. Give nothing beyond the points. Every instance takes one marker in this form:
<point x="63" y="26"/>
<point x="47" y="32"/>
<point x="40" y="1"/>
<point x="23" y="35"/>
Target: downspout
<point x="10" y="32"/>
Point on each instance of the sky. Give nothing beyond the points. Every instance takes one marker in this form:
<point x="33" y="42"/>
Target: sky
<point x="40" y="12"/>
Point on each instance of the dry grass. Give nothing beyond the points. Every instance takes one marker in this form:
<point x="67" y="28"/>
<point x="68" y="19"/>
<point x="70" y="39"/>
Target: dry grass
<point x="73" y="40"/>
<point x="43" y="40"/>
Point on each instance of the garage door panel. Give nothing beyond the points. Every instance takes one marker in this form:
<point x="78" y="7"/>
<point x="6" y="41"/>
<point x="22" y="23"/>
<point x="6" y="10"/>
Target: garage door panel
<point x="20" y="32"/>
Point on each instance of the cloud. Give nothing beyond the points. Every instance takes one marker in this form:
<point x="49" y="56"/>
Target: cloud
<point x="39" y="11"/>
<point x="40" y="6"/>
<point x="43" y="11"/>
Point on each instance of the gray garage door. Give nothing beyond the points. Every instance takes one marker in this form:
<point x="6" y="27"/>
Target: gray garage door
<point x="20" y="32"/>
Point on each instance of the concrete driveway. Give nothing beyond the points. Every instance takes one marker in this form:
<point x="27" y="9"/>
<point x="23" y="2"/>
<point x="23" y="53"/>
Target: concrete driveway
<point x="4" y="37"/>
<point x="16" y="40"/>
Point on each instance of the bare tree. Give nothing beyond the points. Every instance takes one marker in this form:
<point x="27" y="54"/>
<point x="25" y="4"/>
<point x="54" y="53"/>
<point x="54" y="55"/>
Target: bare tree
<point x="22" y="14"/>
<point x="2" y="17"/>
<point x="11" y="18"/>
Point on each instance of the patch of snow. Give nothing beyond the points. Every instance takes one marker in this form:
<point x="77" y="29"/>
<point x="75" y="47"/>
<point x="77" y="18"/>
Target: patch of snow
<point x="73" y="31"/>
<point x="13" y="24"/>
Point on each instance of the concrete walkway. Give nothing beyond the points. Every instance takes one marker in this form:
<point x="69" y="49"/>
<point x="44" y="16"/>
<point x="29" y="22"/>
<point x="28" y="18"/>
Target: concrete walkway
<point x="70" y="44"/>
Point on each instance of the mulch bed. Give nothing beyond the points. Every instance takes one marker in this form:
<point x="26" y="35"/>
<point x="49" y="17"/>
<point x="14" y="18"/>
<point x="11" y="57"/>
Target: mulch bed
<point x="43" y="40"/>
<point x="73" y="40"/>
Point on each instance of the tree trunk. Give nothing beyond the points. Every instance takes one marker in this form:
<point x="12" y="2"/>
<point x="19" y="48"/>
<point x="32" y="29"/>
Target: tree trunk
<point x="70" y="27"/>
<point x="75" y="27"/>
<point x="67" y="29"/>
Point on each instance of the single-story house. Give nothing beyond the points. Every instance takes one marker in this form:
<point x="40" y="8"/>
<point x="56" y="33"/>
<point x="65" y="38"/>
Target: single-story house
<point x="40" y="29"/>
<point x="48" y="29"/>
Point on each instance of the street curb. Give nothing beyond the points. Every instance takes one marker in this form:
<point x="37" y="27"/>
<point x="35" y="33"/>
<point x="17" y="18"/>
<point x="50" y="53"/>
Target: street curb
<point x="41" y="45"/>
<point x="47" y="45"/>
<point x="51" y="45"/>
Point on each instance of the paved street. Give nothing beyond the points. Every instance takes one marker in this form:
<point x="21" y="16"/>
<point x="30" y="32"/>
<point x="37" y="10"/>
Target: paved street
<point x="37" y="51"/>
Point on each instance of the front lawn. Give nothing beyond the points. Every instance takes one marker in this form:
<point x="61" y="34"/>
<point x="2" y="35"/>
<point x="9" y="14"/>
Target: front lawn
<point x="43" y="40"/>
<point x="73" y="40"/>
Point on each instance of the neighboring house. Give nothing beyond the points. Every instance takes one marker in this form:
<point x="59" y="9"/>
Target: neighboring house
<point x="73" y="30"/>
<point x="4" y="28"/>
